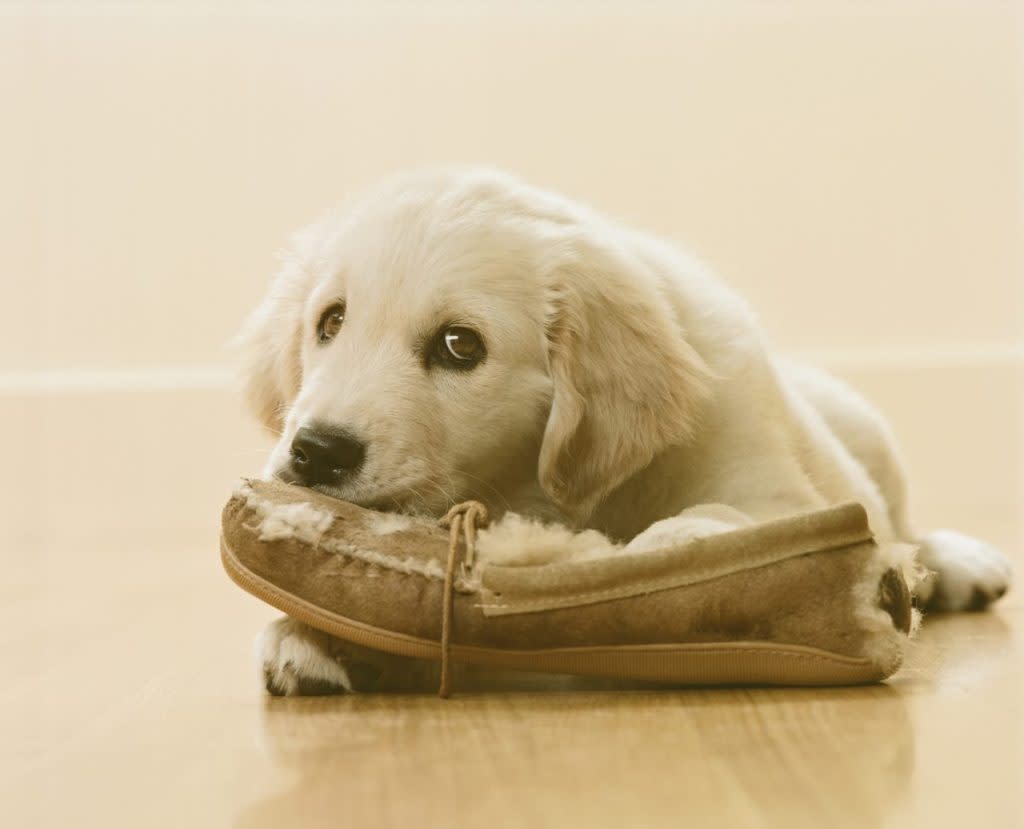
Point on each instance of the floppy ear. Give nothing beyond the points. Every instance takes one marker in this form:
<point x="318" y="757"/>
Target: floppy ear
<point x="626" y="383"/>
<point x="270" y="342"/>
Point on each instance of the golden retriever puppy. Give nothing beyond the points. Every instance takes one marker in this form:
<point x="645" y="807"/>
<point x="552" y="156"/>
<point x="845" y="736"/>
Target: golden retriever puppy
<point x="459" y="334"/>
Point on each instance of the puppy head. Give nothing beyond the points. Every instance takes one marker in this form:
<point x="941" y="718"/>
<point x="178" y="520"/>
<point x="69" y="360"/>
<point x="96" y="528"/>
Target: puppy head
<point x="459" y="335"/>
<point x="400" y="353"/>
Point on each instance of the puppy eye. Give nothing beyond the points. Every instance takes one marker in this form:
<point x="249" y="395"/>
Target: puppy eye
<point x="459" y="347"/>
<point x="330" y="322"/>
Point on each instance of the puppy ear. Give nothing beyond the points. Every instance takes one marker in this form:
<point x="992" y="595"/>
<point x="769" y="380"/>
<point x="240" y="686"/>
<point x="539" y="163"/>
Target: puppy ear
<point x="627" y="385"/>
<point x="270" y="343"/>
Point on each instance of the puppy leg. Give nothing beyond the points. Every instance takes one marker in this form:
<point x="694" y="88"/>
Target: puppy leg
<point x="297" y="660"/>
<point x="966" y="574"/>
<point x="691" y="523"/>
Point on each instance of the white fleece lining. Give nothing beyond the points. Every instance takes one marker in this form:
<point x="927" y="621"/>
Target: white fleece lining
<point x="307" y="523"/>
<point x="386" y="523"/>
<point x="303" y="522"/>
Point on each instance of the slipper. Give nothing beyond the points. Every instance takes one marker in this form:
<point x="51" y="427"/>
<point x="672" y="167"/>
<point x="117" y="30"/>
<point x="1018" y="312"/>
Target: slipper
<point x="805" y="600"/>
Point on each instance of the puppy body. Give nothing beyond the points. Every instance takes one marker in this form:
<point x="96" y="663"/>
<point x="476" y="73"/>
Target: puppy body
<point x="625" y="389"/>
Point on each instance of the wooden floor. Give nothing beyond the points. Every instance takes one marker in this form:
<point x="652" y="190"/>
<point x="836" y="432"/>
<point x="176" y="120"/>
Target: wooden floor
<point x="130" y="699"/>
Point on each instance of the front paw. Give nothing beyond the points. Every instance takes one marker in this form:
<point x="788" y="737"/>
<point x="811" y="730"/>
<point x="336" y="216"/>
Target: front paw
<point x="297" y="660"/>
<point x="691" y="524"/>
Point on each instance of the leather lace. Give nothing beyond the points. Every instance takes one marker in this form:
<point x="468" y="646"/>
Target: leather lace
<point x="462" y="522"/>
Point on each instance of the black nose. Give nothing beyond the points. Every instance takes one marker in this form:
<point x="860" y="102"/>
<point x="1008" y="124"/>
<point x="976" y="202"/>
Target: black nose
<point x="325" y="456"/>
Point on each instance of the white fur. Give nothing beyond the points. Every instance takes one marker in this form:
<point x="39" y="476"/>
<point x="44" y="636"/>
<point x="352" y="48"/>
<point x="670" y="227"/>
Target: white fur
<point x="966" y="572"/>
<point x="692" y="523"/>
<point x="289" y="653"/>
<point x="625" y="387"/>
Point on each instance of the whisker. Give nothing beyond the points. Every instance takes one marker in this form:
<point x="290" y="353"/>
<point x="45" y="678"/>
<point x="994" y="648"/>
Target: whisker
<point x="487" y="484"/>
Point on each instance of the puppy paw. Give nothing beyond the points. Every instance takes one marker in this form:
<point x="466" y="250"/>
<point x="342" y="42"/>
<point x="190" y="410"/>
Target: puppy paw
<point x="297" y="660"/>
<point x="968" y="574"/>
<point x="689" y="525"/>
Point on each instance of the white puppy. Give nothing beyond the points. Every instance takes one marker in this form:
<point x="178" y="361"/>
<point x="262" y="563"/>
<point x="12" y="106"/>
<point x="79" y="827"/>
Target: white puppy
<point x="458" y="334"/>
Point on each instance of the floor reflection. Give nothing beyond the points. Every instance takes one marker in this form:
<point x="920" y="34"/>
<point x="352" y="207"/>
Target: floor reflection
<point x="589" y="757"/>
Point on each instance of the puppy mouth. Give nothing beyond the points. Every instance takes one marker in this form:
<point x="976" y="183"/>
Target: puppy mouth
<point x="406" y="500"/>
<point x="286" y="475"/>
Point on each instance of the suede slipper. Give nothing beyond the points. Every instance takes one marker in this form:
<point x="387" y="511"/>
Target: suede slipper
<point x="805" y="600"/>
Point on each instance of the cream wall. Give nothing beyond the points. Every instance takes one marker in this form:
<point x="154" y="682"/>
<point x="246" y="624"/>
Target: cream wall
<point x="855" y="169"/>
